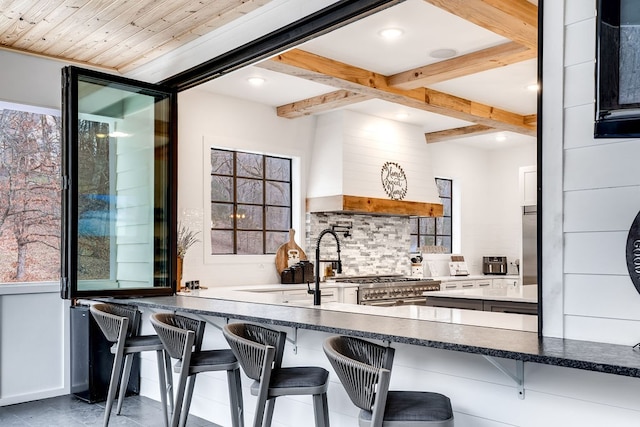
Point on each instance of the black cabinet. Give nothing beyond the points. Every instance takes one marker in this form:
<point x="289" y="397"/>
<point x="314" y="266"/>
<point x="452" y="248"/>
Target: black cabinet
<point x="484" y="305"/>
<point x="91" y="359"/>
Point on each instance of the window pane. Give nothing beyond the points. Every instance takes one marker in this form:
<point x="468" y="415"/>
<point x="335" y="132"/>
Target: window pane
<point x="427" y="241"/>
<point x="221" y="189"/>
<point x="446" y="227"/>
<point x="275" y="240"/>
<point x="221" y="215"/>
<point x="427" y="225"/>
<point x="278" y="218"/>
<point x="221" y="162"/>
<point x="446" y="204"/>
<point x="413" y="225"/>
<point x="444" y="241"/>
<point x="444" y="187"/>
<point x="249" y="242"/>
<point x="413" y="247"/>
<point x="221" y="242"/>
<point x="278" y="193"/>
<point x="249" y="165"/>
<point x="249" y="191"/>
<point x="249" y="217"/>
<point x="278" y="169"/>
<point x="30" y="159"/>
<point x="440" y="225"/>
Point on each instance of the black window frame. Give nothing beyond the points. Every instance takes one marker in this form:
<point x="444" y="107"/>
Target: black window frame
<point x="236" y="205"/>
<point x="435" y="233"/>
<point x="612" y="119"/>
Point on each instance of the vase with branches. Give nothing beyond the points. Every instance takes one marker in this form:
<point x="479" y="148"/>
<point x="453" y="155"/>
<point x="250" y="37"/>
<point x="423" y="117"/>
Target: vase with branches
<point x="185" y="239"/>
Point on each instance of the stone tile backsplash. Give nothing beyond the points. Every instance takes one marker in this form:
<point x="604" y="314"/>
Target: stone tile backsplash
<point x="377" y="245"/>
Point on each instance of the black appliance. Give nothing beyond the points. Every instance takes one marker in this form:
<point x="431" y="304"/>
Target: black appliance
<point x="494" y="265"/>
<point x="91" y="359"/>
<point x="391" y="290"/>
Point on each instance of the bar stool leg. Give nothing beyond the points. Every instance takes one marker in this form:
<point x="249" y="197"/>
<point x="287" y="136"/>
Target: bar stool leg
<point x="320" y="410"/>
<point x="235" y="397"/>
<point x="268" y="416"/>
<point x="191" y="383"/>
<point x="124" y="381"/>
<point x="113" y="385"/>
<point x="169" y="377"/>
<point x="163" y="385"/>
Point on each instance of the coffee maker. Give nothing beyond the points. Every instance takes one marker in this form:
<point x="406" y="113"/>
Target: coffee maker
<point x="494" y="265"/>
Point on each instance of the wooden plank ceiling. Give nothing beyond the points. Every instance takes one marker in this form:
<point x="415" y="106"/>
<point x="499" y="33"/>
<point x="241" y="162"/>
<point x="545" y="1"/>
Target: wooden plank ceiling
<point x="119" y="35"/>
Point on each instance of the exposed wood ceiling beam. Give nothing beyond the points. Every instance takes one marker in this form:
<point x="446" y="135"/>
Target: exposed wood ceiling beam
<point x="475" y="62"/>
<point x="516" y="20"/>
<point x="531" y="120"/>
<point x="321" y="103"/>
<point x="337" y="74"/>
<point x="444" y="135"/>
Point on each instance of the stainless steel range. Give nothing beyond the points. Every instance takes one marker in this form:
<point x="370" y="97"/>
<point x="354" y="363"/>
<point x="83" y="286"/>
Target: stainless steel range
<point x="391" y="290"/>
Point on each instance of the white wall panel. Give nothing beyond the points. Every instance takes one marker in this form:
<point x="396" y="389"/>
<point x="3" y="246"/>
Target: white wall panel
<point x="576" y="134"/>
<point x="601" y="296"/>
<point x="595" y="253"/>
<point x="602" y="166"/>
<point x="578" y="10"/>
<point x="599" y="329"/>
<point x="578" y="35"/>
<point x="578" y="89"/>
<point x="603" y="209"/>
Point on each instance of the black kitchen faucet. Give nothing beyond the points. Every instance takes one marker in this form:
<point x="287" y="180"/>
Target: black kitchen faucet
<point x="316" y="291"/>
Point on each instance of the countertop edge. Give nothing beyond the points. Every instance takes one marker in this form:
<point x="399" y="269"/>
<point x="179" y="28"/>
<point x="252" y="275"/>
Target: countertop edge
<point x="522" y="346"/>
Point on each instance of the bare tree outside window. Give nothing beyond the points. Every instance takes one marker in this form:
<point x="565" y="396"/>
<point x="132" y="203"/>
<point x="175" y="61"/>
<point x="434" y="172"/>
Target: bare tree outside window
<point x="30" y="153"/>
<point x="429" y="231"/>
<point x="250" y="202"/>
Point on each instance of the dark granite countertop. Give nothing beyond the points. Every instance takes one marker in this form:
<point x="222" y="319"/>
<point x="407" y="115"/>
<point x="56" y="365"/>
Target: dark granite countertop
<point x="502" y="343"/>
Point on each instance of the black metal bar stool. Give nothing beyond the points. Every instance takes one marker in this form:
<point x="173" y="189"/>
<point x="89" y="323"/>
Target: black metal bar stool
<point x="259" y="351"/>
<point x="364" y="369"/>
<point x="182" y="338"/>
<point x="120" y="325"/>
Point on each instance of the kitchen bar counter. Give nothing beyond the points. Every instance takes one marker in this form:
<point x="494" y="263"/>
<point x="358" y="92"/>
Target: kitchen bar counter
<point x="502" y="343"/>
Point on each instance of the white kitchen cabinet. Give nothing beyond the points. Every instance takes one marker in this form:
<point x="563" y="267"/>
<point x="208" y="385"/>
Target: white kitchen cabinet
<point x="484" y="283"/>
<point x="505" y="283"/>
<point x="348" y="295"/>
<point x="528" y="183"/>
<point x="301" y="295"/>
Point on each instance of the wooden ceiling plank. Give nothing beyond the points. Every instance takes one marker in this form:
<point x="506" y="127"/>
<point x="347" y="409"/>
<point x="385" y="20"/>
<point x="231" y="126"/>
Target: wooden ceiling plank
<point x="516" y="20"/>
<point x="475" y="62"/>
<point x="19" y="16"/>
<point x="445" y="135"/>
<point x="59" y="13"/>
<point x="158" y="40"/>
<point x="333" y="73"/>
<point x="234" y="11"/>
<point x="78" y="27"/>
<point x="133" y="27"/>
<point x="321" y="103"/>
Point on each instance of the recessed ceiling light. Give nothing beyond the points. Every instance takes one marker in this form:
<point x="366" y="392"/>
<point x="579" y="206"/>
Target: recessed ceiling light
<point x="402" y="115"/>
<point x="501" y="138"/>
<point x="256" y="81"/>
<point x="391" y="33"/>
<point x="533" y="87"/>
<point x="443" y="53"/>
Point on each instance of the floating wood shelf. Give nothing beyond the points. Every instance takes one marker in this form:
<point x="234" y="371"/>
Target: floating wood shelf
<point x="371" y="205"/>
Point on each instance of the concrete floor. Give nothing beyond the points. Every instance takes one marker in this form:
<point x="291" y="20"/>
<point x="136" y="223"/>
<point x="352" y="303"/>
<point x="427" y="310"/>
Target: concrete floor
<point x="69" y="411"/>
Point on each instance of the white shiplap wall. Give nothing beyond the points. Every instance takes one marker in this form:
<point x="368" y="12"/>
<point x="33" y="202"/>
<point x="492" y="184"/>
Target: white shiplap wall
<point x="601" y="188"/>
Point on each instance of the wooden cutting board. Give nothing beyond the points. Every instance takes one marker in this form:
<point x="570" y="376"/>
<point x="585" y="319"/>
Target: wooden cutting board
<point x="287" y="249"/>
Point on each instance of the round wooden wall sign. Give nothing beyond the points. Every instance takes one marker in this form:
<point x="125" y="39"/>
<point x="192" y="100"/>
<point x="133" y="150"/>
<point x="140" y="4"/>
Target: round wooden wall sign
<point x="394" y="180"/>
<point x="633" y="252"/>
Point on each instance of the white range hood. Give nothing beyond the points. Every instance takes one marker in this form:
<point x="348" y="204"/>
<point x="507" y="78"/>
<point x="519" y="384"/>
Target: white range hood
<point x="366" y="164"/>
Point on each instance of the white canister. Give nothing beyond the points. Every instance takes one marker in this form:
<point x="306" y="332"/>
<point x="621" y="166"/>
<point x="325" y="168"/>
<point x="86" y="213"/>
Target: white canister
<point x="417" y="270"/>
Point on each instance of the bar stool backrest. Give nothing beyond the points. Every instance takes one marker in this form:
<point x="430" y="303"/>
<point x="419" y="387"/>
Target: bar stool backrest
<point x="179" y="334"/>
<point x="110" y="317"/>
<point x="253" y="346"/>
<point x="364" y="369"/>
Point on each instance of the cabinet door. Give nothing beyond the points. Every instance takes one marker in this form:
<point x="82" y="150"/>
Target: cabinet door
<point x="349" y="296"/>
<point x="467" y="284"/>
<point x="484" y="283"/>
<point x="301" y="295"/>
<point x="447" y="286"/>
<point x="528" y="182"/>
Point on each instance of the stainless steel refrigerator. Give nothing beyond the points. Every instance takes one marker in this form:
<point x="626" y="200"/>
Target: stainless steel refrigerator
<point x="529" y="262"/>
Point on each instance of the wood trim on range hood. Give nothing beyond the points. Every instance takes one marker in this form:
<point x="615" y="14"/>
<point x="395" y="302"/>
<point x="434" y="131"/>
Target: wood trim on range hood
<point x="371" y="205"/>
